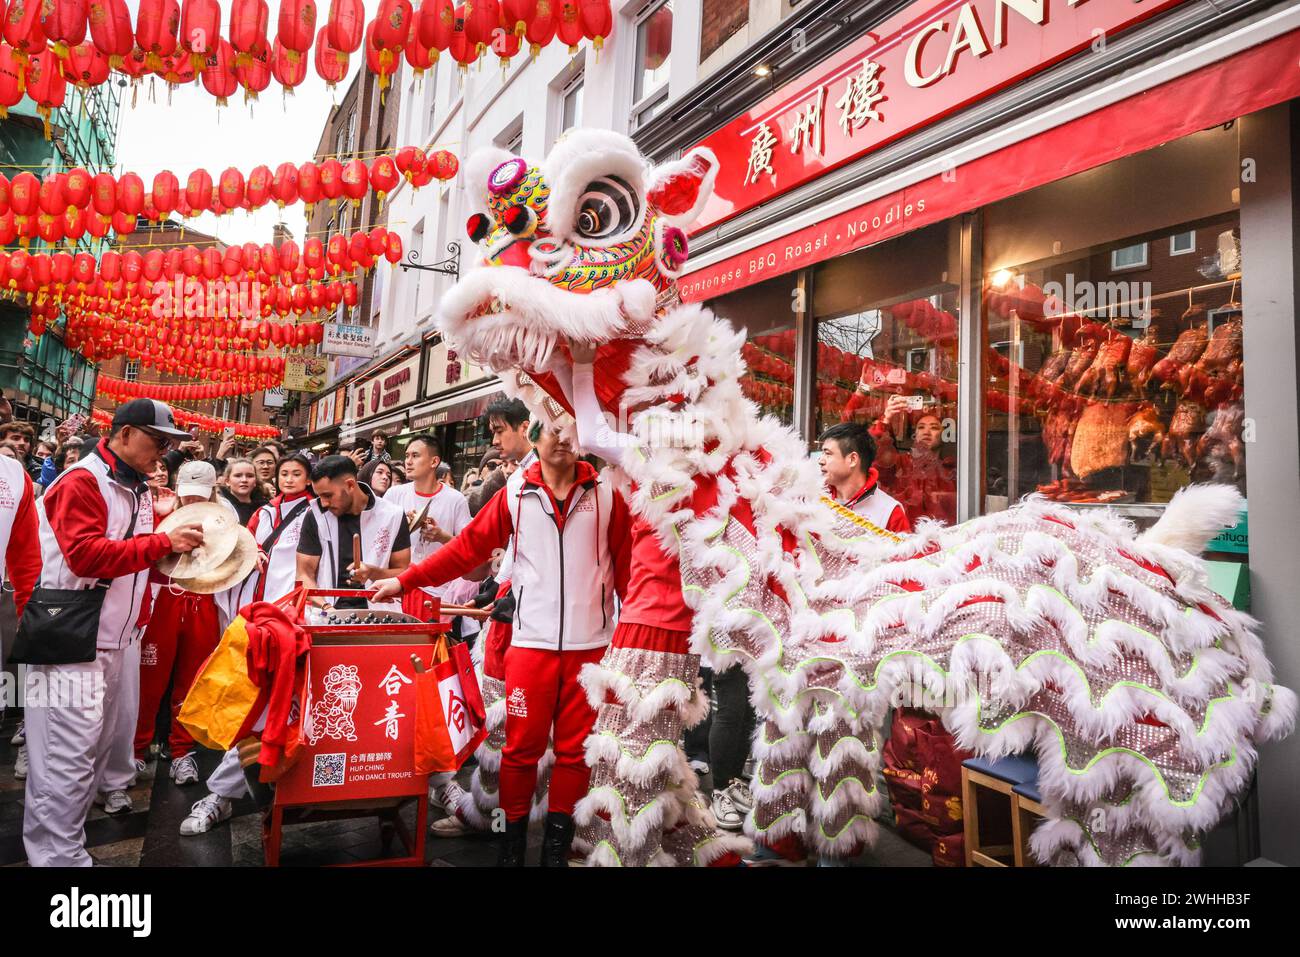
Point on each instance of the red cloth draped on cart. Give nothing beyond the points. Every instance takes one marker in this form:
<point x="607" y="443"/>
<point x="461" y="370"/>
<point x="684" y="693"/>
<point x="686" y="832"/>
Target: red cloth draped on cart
<point x="277" y="652"/>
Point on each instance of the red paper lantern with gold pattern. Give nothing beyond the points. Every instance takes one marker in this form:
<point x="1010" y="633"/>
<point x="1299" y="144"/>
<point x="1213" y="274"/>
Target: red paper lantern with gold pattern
<point x="433" y="24"/>
<point x="155" y="29"/>
<point x="287" y="66"/>
<point x="346" y="25"/>
<point x="297" y="25"/>
<point x="85" y="66"/>
<point x="331" y="62"/>
<point x="219" y="72"/>
<point x="248" y="24"/>
<point x="110" y="29"/>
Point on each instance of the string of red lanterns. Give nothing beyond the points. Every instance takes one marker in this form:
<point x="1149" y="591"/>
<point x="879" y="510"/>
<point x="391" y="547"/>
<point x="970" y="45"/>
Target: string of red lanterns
<point x="75" y="203"/>
<point x="48" y="44"/>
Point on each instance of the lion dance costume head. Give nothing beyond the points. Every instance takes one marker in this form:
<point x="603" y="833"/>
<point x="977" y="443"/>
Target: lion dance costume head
<point x="1062" y="634"/>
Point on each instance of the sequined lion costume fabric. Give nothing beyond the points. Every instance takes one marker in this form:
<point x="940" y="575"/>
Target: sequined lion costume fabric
<point x="1040" y="629"/>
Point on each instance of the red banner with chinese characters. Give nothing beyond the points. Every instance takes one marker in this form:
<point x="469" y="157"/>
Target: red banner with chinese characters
<point x="1252" y="80"/>
<point x="359" y="726"/>
<point x="927" y="61"/>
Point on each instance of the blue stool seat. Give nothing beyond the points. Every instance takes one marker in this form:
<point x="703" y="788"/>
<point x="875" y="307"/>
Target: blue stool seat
<point x="1015" y="769"/>
<point x="1028" y="790"/>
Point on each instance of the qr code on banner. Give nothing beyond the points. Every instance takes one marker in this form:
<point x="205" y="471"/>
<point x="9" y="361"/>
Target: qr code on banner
<point x="327" y="771"/>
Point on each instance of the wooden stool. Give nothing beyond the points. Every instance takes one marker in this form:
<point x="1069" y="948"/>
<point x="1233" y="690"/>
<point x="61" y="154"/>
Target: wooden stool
<point x="1001" y="776"/>
<point x="1026" y="804"/>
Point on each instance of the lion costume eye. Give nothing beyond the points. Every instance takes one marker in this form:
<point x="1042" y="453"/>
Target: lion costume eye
<point x="607" y="209"/>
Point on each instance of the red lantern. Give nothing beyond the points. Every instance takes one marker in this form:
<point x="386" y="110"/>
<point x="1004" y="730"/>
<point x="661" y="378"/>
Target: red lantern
<point x="130" y="194"/>
<point x="331" y="179"/>
<point x="355" y="179"/>
<point x="11" y="88"/>
<point x="313" y="253"/>
<point x="166" y="189"/>
<point x="331" y="63"/>
<point x="443" y="164"/>
<point x="309" y="184"/>
<point x="481" y="18"/>
<point x="569" y="27"/>
<point x="346" y="25"/>
<point x="123" y="223"/>
<point x="255" y="74"/>
<point x="219" y="72"/>
<point x="198" y="190"/>
<point x="410" y="160"/>
<point x="419" y="57"/>
<point x="337" y="253"/>
<point x="73" y="223"/>
<point x="4" y="194"/>
<point x="200" y="34"/>
<point x="45" y="85"/>
<point x="284" y="185"/>
<point x="103" y="194"/>
<point x="516" y="14"/>
<point x="86" y="66"/>
<point x="155" y="30"/>
<point x="297" y="25"/>
<point x="382" y="63"/>
<point x="287" y="66"/>
<point x="541" y="27"/>
<point x="391" y="27"/>
<point x="22" y="25"/>
<point x="248" y="23"/>
<point x="176" y="69"/>
<point x="52" y="198"/>
<point x="434" y="22"/>
<point x="383" y="175"/>
<point x="97" y="225"/>
<point x="64" y="23"/>
<point x="393" y="248"/>
<point x="111" y="29"/>
<point x="461" y="48"/>
<point x="76" y="188"/>
<point x="259" y="185"/>
<point x="230" y="188"/>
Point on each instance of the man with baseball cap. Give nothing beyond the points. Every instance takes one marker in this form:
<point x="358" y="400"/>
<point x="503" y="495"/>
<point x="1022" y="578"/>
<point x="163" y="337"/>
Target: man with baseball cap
<point x="96" y="529"/>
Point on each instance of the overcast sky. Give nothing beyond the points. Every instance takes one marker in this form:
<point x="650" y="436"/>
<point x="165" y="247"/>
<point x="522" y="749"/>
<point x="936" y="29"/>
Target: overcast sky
<point x="192" y="132"/>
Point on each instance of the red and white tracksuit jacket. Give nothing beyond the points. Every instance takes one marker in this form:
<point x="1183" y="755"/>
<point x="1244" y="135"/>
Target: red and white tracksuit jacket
<point x="877" y="506"/>
<point x="567" y="561"/>
<point x="20" y="558"/>
<point x="76" y="749"/>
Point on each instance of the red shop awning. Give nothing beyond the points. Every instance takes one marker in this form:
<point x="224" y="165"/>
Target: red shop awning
<point x="1251" y="80"/>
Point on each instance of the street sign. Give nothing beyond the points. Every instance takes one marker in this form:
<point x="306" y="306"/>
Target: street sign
<point x="305" y="373"/>
<point x="344" y="340"/>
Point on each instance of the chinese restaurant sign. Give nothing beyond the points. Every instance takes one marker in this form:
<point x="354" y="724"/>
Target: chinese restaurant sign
<point x="388" y="390"/>
<point x="358" y="729"/>
<point x="929" y="60"/>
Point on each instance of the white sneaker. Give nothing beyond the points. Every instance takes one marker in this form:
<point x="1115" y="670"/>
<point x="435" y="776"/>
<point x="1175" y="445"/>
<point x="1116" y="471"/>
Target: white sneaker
<point x="738" y="791"/>
<point x="445" y="795"/>
<point x="20" y="736"/>
<point x="206" y="814"/>
<point x="725" y="812"/>
<point x="450" y="826"/>
<point x="114" y="802"/>
<point x="141" y="769"/>
<point x="185" y="770"/>
<point x="20" y="764"/>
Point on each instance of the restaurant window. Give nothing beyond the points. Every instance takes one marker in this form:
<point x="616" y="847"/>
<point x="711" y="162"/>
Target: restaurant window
<point x="766" y="312"/>
<point x="131" y="372"/>
<point x="654" y="43"/>
<point x="1102" y="385"/>
<point x="887" y="327"/>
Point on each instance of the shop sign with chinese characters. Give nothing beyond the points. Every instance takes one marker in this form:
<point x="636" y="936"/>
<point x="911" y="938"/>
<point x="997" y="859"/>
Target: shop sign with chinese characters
<point x="388" y="390"/>
<point x="343" y="340"/>
<point x="929" y="60"/>
<point x="447" y="368"/>
<point x="358" y="730"/>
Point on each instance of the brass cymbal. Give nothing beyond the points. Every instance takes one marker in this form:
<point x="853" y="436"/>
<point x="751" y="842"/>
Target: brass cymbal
<point x="230" y="572"/>
<point x="220" y="530"/>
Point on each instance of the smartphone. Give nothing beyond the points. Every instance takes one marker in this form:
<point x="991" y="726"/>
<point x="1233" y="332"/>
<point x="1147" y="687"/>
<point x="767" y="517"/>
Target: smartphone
<point x="227" y="433"/>
<point x="915" y="403"/>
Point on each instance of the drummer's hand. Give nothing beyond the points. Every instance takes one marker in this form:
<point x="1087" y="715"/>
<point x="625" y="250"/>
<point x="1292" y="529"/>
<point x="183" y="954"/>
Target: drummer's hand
<point x="362" y="572"/>
<point x="262" y="561"/>
<point x="185" y="538"/>
<point x="387" y="588"/>
<point x="164" y="502"/>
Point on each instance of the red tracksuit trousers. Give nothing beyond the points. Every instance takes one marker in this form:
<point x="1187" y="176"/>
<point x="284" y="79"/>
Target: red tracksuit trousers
<point x="544" y="700"/>
<point x="182" y="632"/>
